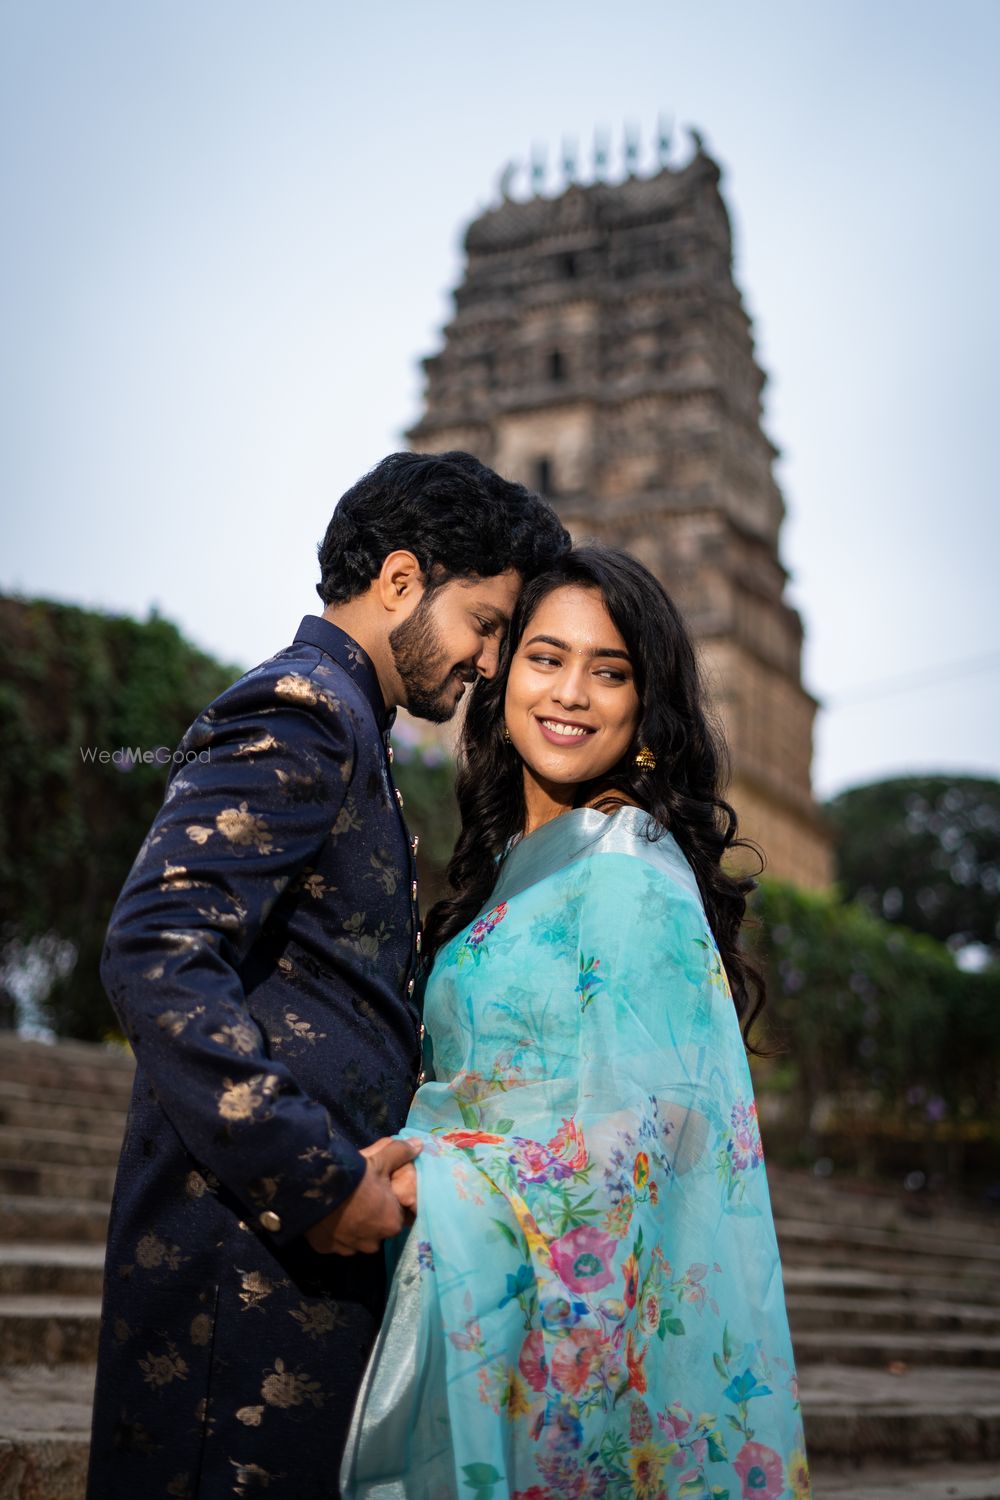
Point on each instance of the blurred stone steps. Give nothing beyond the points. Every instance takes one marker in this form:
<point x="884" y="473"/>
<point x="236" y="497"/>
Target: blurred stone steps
<point x="24" y="1105"/>
<point x="48" y="1330"/>
<point x="24" y="1218"/>
<point x="862" y="1286"/>
<point x="32" y="1269"/>
<point x="971" y="1482"/>
<point x="26" y="1177"/>
<point x="51" y="1147"/>
<point x="914" y="1315"/>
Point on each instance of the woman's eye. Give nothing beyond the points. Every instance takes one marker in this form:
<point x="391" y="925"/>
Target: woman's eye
<point x="612" y="675"/>
<point x="544" y="661"/>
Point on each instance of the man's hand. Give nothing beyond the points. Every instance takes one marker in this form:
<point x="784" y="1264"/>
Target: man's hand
<point x="373" y="1212"/>
<point x="403" y="1181"/>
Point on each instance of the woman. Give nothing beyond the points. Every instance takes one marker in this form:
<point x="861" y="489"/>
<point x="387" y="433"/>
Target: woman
<point x="590" y="1301"/>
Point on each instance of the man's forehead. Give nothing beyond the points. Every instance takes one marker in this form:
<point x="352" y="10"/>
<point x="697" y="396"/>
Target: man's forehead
<point x="494" y="595"/>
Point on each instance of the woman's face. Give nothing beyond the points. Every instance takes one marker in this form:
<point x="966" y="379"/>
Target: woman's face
<point x="571" y="705"/>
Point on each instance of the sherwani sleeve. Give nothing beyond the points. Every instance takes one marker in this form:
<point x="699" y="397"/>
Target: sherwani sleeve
<point x="240" y="822"/>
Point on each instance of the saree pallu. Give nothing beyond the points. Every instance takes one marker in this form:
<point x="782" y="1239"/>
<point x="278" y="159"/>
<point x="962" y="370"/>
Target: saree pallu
<point x="590" y="1301"/>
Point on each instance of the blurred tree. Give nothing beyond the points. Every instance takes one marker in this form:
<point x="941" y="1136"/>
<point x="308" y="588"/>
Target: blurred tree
<point x="924" y="851"/>
<point x="74" y="683"/>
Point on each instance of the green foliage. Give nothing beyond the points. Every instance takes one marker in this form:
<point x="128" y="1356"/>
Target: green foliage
<point x="72" y="680"/>
<point x="924" y="851"/>
<point x="425" y="776"/>
<point x="862" y="1005"/>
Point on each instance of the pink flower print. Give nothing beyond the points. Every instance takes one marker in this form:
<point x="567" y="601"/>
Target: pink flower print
<point x="630" y="1270"/>
<point x="533" y="1492"/>
<point x="574" y="1359"/>
<point x="568" y="1145"/>
<point x="761" y="1473"/>
<point x="675" y="1421"/>
<point x="640" y="1423"/>
<point x="747" y="1150"/>
<point x="531" y="1361"/>
<point x="582" y="1259"/>
<point x="485" y="925"/>
<point x="535" y="1162"/>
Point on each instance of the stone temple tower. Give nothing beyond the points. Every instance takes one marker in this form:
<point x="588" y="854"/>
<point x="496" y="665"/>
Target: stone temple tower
<point x="600" y="353"/>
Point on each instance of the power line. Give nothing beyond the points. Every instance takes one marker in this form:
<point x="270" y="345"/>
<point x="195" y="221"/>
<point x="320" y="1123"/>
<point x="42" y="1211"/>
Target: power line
<point x="912" y="681"/>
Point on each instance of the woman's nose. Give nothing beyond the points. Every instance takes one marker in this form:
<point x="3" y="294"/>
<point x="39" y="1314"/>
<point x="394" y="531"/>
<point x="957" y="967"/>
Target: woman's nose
<point x="570" y="688"/>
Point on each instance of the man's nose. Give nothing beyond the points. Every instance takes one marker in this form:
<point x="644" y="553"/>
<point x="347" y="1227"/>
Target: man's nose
<point x="488" y="659"/>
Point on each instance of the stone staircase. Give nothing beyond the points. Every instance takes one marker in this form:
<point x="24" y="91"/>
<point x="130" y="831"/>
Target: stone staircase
<point x="895" y="1315"/>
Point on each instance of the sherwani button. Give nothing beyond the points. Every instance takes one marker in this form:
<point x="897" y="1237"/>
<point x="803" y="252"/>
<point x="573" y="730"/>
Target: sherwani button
<point x="419" y="940"/>
<point x="391" y="755"/>
<point x="423" y="1031"/>
<point x="411" y="986"/>
<point x="413" y="890"/>
<point x="269" y="1220"/>
<point x="399" y="797"/>
<point x="414" y="842"/>
<point x="421" y="1078"/>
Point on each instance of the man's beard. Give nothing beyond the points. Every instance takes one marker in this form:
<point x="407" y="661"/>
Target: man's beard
<point x="421" y="661"/>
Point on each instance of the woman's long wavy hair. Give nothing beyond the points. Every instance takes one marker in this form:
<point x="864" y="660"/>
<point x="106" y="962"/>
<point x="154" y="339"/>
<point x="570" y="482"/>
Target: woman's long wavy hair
<point x="683" y="793"/>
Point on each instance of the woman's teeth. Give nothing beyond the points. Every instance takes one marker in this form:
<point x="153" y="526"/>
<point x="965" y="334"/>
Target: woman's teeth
<point x="570" y="731"/>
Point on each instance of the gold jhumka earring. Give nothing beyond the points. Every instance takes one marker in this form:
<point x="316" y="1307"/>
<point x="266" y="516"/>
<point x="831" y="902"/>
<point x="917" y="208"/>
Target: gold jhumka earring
<point x="645" y="759"/>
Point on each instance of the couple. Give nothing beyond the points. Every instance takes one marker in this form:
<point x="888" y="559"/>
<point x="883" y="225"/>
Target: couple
<point x="589" y="1301"/>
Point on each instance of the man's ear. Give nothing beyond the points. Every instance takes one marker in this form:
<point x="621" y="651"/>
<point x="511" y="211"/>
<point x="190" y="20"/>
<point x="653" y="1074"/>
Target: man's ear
<point x="400" y="582"/>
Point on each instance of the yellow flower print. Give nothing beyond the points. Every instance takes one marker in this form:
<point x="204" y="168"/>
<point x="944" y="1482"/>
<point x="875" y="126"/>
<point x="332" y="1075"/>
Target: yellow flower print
<point x="244" y="829"/>
<point x="518" y="1400"/>
<point x="798" y="1476"/>
<point x="648" y="1462"/>
<point x="285" y="1388"/>
<point x="640" y="1170"/>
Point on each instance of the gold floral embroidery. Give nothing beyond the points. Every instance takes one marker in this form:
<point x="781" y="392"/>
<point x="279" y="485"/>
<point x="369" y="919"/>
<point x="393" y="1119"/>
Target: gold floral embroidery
<point x="318" y="1320"/>
<point x="122" y="1331"/>
<point x="251" y="1477"/>
<point x="386" y="873"/>
<point x="229" y="921"/>
<point x="156" y="972"/>
<point x="256" y="1289"/>
<point x="162" y="1369"/>
<point x="198" y="834"/>
<point x="295" y="688"/>
<point x="240" y="1101"/>
<point x="302" y="1029"/>
<point x="151" y="1253"/>
<point x="201" y="1329"/>
<point x="257" y="747"/>
<point x="179" y="1487"/>
<point x="241" y="1036"/>
<point x="285" y="1388"/>
<point x="174" y="1022"/>
<point x="313" y="885"/>
<point x="250" y="1416"/>
<point x="243" y="828"/>
<point x="347" y="820"/>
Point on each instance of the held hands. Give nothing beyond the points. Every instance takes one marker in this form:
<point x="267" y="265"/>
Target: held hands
<point x="384" y="1200"/>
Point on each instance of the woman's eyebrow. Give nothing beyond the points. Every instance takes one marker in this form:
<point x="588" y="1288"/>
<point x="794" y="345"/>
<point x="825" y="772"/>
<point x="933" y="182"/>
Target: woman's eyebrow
<point x="551" y="640"/>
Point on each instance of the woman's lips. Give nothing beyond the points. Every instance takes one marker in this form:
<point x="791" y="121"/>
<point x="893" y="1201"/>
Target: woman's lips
<point x="566" y="735"/>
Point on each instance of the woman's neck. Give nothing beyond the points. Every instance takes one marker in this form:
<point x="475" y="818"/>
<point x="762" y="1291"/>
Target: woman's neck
<point x="545" y="800"/>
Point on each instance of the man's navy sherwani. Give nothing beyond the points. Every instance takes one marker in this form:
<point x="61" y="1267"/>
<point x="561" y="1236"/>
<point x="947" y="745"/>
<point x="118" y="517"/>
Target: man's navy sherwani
<point x="261" y="960"/>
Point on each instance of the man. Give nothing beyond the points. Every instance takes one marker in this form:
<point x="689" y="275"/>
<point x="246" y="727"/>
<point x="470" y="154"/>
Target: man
<point x="261" y="959"/>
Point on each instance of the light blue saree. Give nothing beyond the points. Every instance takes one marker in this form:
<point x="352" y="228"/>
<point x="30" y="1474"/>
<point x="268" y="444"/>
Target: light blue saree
<point x="590" y="1302"/>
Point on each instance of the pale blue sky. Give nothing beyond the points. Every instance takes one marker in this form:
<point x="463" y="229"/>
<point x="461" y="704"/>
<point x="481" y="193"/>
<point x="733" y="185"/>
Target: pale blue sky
<point x="231" y="229"/>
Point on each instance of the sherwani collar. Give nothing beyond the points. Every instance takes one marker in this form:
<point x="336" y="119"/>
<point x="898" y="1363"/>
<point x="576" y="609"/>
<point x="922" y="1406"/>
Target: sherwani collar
<point x="346" y="652"/>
